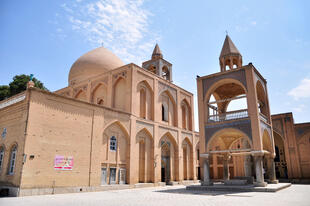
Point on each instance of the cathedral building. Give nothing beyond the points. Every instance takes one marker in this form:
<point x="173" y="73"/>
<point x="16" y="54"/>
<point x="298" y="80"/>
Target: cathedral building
<point x="113" y="124"/>
<point x="123" y="126"/>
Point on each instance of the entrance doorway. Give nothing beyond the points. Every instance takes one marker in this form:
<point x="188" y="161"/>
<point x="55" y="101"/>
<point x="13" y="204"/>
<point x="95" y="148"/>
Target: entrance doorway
<point x="103" y="176"/>
<point x="112" y="175"/>
<point x="165" y="162"/>
<point x="279" y="160"/>
<point x="165" y="169"/>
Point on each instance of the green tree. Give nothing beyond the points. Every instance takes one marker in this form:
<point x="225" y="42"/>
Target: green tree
<point x="4" y="92"/>
<point x="19" y="84"/>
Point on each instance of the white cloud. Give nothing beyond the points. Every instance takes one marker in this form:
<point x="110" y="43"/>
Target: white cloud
<point x="120" y="25"/>
<point x="254" y="23"/>
<point x="302" y="90"/>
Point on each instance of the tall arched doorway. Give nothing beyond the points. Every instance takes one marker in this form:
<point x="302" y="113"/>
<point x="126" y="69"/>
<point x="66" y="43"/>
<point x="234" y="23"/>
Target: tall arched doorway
<point x="165" y="162"/>
<point x="169" y="158"/>
<point x="279" y="160"/>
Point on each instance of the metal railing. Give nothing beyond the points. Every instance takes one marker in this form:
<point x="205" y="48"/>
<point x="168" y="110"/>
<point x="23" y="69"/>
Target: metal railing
<point x="228" y="116"/>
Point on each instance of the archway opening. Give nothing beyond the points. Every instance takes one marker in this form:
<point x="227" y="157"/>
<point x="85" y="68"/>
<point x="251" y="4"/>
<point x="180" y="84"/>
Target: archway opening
<point x="262" y="100"/>
<point x="228" y="101"/>
<point x="279" y="160"/>
<point x="115" y="155"/>
<point x="169" y="159"/>
<point x="168" y="108"/>
<point x="166" y="73"/>
<point x="229" y="151"/>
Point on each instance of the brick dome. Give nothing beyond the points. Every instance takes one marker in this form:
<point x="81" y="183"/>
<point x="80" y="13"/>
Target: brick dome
<point x="93" y="63"/>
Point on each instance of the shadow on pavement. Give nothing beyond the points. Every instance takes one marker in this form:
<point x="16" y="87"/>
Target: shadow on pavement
<point x="204" y="192"/>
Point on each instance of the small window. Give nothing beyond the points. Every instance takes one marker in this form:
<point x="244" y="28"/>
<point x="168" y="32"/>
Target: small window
<point x="164" y="112"/>
<point x="198" y="154"/>
<point x="113" y="143"/>
<point x="12" y="160"/>
<point x="1" y="157"/>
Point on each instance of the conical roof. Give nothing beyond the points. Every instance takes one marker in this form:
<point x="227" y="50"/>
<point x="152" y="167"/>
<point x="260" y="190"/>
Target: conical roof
<point x="229" y="47"/>
<point x="157" y="53"/>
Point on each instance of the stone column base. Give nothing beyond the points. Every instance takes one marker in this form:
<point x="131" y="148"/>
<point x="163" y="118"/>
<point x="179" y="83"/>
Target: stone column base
<point x="260" y="184"/>
<point x="273" y="181"/>
<point x="206" y="183"/>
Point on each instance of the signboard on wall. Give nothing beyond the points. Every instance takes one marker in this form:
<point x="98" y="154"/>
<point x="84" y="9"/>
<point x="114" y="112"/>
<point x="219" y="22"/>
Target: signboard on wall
<point x="63" y="163"/>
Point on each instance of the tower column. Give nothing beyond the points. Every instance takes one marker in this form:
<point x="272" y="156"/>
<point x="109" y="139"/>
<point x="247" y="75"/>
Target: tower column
<point x="247" y="160"/>
<point x="272" y="171"/>
<point x="231" y="65"/>
<point x="259" y="171"/>
<point x="226" y="174"/>
<point x="206" y="172"/>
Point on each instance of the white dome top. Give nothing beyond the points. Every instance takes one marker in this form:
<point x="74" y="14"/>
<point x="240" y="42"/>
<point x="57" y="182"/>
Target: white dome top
<point x="93" y="63"/>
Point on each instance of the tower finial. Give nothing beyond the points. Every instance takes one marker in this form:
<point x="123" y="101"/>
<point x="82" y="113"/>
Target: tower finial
<point x="226" y="32"/>
<point x="157" y="53"/>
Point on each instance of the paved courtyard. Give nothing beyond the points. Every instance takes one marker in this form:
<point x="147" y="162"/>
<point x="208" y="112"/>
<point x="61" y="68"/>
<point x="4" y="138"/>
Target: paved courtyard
<point x="296" y="195"/>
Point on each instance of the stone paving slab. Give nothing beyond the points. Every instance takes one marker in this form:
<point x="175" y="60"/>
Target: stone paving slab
<point x="296" y="195"/>
<point x="241" y="188"/>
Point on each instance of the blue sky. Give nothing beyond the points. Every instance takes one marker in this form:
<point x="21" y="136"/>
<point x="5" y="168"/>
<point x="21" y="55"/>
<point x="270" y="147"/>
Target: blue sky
<point x="46" y="37"/>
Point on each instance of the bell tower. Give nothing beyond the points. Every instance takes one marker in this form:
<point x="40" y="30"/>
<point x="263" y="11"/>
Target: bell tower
<point x="158" y="65"/>
<point x="230" y="57"/>
<point x="230" y="132"/>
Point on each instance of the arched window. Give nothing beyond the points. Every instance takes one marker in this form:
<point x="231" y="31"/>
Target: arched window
<point x="12" y="161"/>
<point x="113" y="143"/>
<point x="164" y="112"/>
<point x="184" y="116"/>
<point x="142" y="103"/>
<point x="165" y="73"/>
<point x="1" y="157"/>
<point x="198" y="154"/>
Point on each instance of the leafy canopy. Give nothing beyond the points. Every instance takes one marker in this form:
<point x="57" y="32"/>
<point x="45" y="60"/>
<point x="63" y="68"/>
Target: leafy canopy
<point x="19" y="84"/>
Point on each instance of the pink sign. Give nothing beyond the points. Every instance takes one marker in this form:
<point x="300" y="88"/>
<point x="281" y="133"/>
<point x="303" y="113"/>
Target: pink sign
<point x="63" y="163"/>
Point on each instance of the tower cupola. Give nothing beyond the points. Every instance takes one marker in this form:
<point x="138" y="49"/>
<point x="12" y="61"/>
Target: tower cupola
<point x="230" y="56"/>
<point x="158" y="65"/>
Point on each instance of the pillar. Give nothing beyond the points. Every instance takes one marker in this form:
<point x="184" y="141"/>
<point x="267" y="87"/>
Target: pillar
<point x="259" y="171"/>
<point x="231" y="65"/>
<point x="206" y="173"/>
<point x="247" y="160"/>
<point x="272" y="171"/>
<point x="226" y="166"/>
<point x="247" y="166"/>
